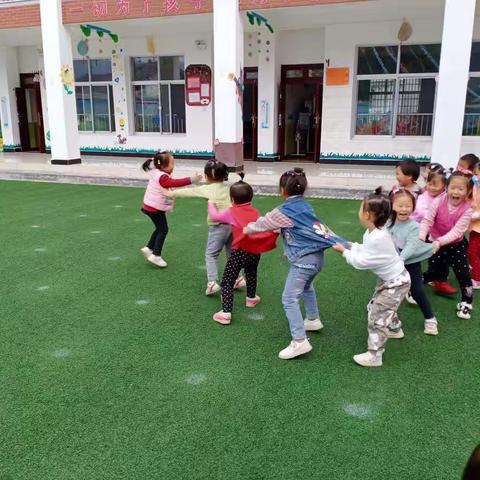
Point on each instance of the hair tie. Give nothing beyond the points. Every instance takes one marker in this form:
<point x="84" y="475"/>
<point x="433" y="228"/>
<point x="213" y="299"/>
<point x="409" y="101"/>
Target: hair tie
<point x="465" y="171"/>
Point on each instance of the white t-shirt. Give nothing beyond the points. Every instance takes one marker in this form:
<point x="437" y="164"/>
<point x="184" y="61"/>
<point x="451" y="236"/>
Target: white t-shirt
<point x="377" y="253"/>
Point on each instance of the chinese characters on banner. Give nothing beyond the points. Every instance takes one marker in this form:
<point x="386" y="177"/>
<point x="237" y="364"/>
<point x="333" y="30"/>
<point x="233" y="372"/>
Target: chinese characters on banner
<point x="100" y="8"/>
<point x="123" y="7"/>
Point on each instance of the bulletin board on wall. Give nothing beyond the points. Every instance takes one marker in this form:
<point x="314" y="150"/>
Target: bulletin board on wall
<point x="338" y="76"/>
<point x="198" y="85"/>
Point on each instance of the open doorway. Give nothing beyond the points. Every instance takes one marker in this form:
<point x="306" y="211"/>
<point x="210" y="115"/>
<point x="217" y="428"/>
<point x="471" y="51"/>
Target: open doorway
<point x="30" y="119"/>
<point x="300" y="115"/>
<point x="250" y="112"/>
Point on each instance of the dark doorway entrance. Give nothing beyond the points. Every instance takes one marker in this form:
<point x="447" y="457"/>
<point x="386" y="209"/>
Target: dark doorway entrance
<point x="250" y="112"/>
<point x="30" y="119"/>
<point x="300" y="117"/>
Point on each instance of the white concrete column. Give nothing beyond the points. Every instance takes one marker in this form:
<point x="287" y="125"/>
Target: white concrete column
<point x="268" y="99"/>
<point x="43" y="94"/>
<point x="9" y="80"/>
<point x="452" y="81"/>
<point x="57" y="54"/>
<point x="228" y="58"/>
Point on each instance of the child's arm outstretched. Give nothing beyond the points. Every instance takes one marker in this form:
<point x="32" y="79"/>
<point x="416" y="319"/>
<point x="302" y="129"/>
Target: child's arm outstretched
<point x="199" y="191"/>
<point x="168" y="182"/>
<point x="366" y="256"/>
<point x="272" y="221"/>
<point x="221" y="217"/>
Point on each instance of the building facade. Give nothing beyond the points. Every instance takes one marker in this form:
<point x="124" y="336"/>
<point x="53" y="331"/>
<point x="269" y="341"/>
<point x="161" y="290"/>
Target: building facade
<point x="316" y="80"/>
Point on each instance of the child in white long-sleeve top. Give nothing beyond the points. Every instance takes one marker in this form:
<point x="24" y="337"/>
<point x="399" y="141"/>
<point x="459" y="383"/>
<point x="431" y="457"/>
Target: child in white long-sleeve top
<point x="378" y="253"/>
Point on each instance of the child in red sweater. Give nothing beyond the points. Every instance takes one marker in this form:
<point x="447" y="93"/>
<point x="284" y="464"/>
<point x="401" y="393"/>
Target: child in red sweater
<point x="246" y="249"/>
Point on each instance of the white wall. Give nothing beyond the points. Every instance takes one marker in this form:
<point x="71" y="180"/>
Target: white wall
<point x="199" y="121"/>
<point x="27" y="59"/>
<point x="338" y="138"/>
<point x="301" y="46"/>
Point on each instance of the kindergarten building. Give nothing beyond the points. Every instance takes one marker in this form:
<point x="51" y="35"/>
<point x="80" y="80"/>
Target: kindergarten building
<point x="310" y="80"/>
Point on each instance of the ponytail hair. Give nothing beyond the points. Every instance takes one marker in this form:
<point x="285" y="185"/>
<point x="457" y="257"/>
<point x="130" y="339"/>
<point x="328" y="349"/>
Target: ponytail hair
<point x="159" y="160"/>
<point x="216" y="171"/>
<point x="241" y="192"/>
<point x="379" y="205"/>
<point x="293" y="182"/>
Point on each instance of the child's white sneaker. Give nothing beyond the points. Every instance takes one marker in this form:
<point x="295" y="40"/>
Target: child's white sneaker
<point x="464" y="310"/>
<point x="312" y="325"/>
<point x="157" y="260"/>
<point x="295" y="349"/>
<point x="395" y="334"/>
<point x="410" y="299"/>
<point x="368" y="359"/>
<point x="431" y="327"/>
<point x="252" y="302"/>
<point x="240" y="283"/>
<point x="212" y="288"/>
<point x="146" y="252"/>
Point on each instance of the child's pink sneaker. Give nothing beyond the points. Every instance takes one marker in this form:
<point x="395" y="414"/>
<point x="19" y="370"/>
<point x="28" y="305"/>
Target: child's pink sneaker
<point x="252" y="302"/>
<point x="240" y="283"/>
<point x="222" y="317"/>
<point x="475" y="284"/>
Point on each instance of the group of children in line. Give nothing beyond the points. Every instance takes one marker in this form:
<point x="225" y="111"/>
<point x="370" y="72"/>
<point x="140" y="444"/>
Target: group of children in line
<point x="403" y="228"/>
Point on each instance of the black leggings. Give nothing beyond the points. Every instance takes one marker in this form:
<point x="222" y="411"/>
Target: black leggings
<point x="239" y="259"/>
<point x="454" y="256"/>
<point x="157" y="239"/>
<point x="417" y="289"/>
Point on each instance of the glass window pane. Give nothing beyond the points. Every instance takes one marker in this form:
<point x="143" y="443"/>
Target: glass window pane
<point x="297" y="73"/>
<point x="475" y="57"/>
<point x="138" y="110"/>
<point x="251" y="75"/>
<point x="112" y="112"/>
<point x="101" y="70"/>
<point x="101" y="112"/>
<point x="420" y="58"/>
<point x="151" y="108"/>
<point x="165" y="97"/>
<point x="145" y="68"/>
<point x="172" y="68"/>
<point x="471" y="123"/>
<point x="375" y="107"/>
<point x="377" y="60"/>
<point x="178" y="108"/>
<point x="416" y="99"/>
<point x="315" y="72"/>
<point x="80" y="70"/>
<point x="84" y="110"/>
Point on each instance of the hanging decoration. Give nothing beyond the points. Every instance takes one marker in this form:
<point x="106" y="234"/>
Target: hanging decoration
<point x="87" y="31"/>
<point x="259" y="19"/>
<point x="151" y="45"/>
<point x="405" y="31"/>
<point x="239" y="85"/>
<point x="82" y="48"/>
<point x="198" y="85"/>
<point x="66" y="75"/>
<point x="265" y="107"/>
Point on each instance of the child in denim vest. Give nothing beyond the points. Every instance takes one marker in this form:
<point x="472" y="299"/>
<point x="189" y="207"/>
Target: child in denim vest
<point x="305" y="238"/>
<point x="156" y="201"/>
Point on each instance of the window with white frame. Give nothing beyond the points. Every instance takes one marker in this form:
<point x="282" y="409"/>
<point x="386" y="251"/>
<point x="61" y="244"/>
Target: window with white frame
<point x="396" y="89"/>
<point x="159" y="94"/>
<point x="94" y="95"/>
<point x="471" y="122"/>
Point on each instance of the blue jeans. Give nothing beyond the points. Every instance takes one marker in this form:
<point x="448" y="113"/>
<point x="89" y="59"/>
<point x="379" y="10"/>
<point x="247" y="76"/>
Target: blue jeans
<point x="299" y="285"/>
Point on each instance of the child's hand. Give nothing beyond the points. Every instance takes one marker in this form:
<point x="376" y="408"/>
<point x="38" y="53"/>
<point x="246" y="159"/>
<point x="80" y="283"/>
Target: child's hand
<point x="338" y="247"/>
<point x="436" y="247"/>
<point x="197" y="177"/>
<point x="245" y="230"/>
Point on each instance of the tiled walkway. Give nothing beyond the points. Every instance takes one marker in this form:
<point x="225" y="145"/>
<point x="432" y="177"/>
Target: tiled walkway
<point x="335" y="181"/>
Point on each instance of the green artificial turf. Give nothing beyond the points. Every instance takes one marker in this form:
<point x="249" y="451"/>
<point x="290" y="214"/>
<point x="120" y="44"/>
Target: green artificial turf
<point x="111" y="368"/>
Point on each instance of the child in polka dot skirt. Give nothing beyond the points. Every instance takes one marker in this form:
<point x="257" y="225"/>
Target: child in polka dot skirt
<point x="246" y="249"/>
<point x="445" y="224"/>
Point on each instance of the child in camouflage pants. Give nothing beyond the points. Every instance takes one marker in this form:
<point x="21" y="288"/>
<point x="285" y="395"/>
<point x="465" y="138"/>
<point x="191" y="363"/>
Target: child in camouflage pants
<point x="378" y="253"/>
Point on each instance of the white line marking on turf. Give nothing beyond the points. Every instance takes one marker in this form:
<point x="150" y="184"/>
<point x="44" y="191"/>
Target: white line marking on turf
<point x="196" y="379"/>
<point x="95" y="231"/>
<point x="42" y="288"/>
<point x="196" y="224"/>
<point x="202" y="267"/>
<point x="35" y="226"/>
<point x="114" y="259"/>
<point x="138" y="220"/>
<point x="358" y="410"/>
<point x="256" y="316"/>
<point x="61" y="353"/>
<point x="118" y="206"/>
<point x="142" y="302"/>
<point x="83" y="215"/>
<point x="40" y="249"/>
